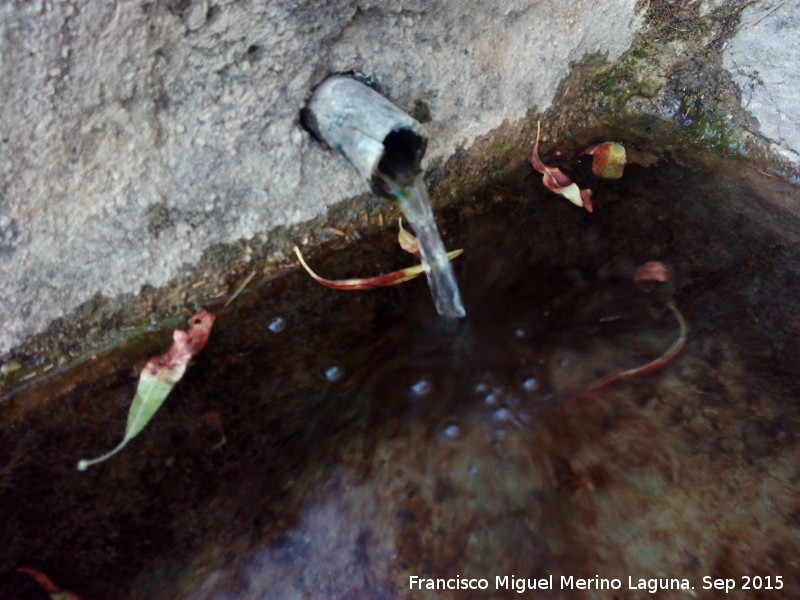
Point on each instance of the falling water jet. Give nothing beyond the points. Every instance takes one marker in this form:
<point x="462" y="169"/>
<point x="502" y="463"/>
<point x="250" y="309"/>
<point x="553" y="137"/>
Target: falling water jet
<point x="386" y="146"/>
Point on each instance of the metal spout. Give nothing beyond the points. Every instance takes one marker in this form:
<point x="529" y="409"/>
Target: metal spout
<point x="382" y="142"/>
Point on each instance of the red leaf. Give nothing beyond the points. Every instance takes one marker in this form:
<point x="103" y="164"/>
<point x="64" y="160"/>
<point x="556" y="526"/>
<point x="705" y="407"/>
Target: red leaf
<point x="171" y="365"/>
<point x="652" y="271"/>
<point x="369" y="283"/>
<point x="47" y="585"/>
<point x="557" y="181"/>
<point x="622" y="376"/>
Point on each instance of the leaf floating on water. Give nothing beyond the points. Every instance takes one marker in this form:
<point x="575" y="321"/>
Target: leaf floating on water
<point x="158" y="377"/>
<point x="408" y="241"/>
<point x="369" y="283"/>
<point x="48" y="586"/>
<point x="608" y="159"/>
<point x="557" y="181"/>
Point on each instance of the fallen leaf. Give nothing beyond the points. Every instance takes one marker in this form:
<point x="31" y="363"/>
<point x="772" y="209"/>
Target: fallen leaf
<point x="608" y="159"/>
<point x="368" y="283"/>
<point x="158" y="377"/>
<point x="557" y="181"/>
<point x="622" y="376"/>
<point x="48" y="586"/>
<point x="651" y="271"/>
<point x="408" y="241"/>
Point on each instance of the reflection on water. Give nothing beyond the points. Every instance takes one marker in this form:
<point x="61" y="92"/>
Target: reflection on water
<point x="368" y="441"/>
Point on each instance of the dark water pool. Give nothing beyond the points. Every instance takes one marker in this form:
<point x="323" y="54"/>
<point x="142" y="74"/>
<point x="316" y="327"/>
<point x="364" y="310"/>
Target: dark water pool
<point x="367" y="441"/>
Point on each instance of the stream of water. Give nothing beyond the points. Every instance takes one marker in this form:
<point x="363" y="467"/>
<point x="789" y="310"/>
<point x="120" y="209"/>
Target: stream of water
<point x="416" y="207"/>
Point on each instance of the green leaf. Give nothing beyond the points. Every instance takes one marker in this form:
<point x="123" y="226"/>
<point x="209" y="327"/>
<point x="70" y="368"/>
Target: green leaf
<point x="157" y="379"/>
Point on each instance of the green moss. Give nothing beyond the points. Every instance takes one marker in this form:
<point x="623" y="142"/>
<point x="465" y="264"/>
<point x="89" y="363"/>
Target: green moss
<point x="708" y="117"/>
<point x="632" y="75"/>
<point x="10" y="373"/>
<point x="611" y="89"/>
<point x="503" y="149"/>
<point x="421" y="111"/>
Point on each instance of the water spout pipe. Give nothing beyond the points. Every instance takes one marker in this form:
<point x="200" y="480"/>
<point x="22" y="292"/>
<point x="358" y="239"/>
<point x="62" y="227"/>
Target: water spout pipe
<point x="382" y="142"/>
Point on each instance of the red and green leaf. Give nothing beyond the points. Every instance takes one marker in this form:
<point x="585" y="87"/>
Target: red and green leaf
<point x="608" y="159"/>
<point x="369" y="283"/>
<point x="555" y="180"/>
<point x="648" y="272"/>
<point x="158" y="377"/>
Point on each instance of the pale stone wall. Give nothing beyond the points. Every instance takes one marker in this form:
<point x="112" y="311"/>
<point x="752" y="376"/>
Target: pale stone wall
<point x="764" y="58"/>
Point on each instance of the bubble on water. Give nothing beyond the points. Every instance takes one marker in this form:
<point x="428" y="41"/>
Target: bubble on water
<point x="334" y="374"/>
<point x="520" y="332"/>
<point x="473" y="469"/>
<point x="481" y="387"/>
<point x="277" y="325"/>
<point x="609" y="318"/>
<point x="564" y="362"/>
<point x="502" y="413"/>
<point x="421" y="388"/>
<point x="530" y="384"/>
<point x="493" y="397"/>
<point x="452" y="432"/>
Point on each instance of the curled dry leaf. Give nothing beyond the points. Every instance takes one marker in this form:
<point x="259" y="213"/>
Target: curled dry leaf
<point x="608" y="159"/>
<point x="368" y="283"/>
<point x="158" y="377"/>
<point x="47" y="585"/>
<point x="557" y="181"/>
<point x="407" y="240"/>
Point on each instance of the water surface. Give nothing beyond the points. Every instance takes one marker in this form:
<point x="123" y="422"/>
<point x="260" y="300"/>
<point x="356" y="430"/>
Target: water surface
<point x="367" y="441"/>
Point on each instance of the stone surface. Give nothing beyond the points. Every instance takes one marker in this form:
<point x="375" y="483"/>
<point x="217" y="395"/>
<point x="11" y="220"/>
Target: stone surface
<point x="764" y="56"/>
<point x="135" y="135"/>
